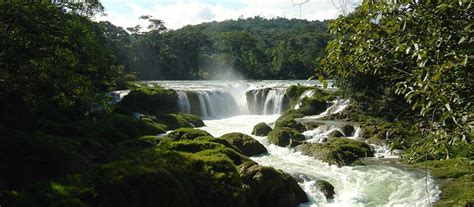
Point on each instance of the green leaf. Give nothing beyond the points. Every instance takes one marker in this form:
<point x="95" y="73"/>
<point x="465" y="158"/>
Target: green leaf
<point x="464" y="61"/>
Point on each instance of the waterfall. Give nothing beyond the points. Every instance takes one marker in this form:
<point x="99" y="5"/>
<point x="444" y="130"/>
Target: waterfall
<point x="319" y="134"/>
<point x="117" y="96"/>
<point x="337" y="106"/>
<point x="307" y="93"/>
<point x="207" y="103"/>
<point x="183" y="102"/>
<point x="267" y="101"/>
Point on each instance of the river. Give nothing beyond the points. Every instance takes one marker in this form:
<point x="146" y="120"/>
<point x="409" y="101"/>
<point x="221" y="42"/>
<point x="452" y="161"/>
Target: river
<point x="236" y="106"/>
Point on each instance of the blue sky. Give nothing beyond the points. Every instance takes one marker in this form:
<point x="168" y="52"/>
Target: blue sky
<point x="179" y="13"/>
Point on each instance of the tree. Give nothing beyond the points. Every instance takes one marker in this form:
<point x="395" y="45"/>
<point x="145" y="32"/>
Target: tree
<point x="54" y="64"/>
<point x="420" y="50"/>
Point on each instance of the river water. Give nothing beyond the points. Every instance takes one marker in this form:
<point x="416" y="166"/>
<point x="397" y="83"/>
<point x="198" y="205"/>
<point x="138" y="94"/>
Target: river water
<point x="248" y="103"/>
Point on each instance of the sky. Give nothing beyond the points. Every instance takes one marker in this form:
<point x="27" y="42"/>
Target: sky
<point x="179" y="13"/>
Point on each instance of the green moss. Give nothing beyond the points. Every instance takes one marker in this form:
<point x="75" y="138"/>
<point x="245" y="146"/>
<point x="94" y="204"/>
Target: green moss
<point x="270" y="187"/>
<point x="284" y="136"/>
<point x="288" y="120"/>
<point x="151" y="178"/>
<point x="246" y="144"/>
<point x="109" y="127"/>
<point x="150" y="100"/>
<point x="338" y="151"/>
<point x="191" y="146"/>
<point x="456" y="180"/>
<point x="195" y="121"/>
<point x="187" y="133"/>
<point x="175" y="121"/>
<point x="155" y="140"/>
<point x="123" y="149"/>
<point x="326" y="188"/>
<point x="295" y="91"/>
<point x="261" y="129"/>
<point x="220" y="141"/>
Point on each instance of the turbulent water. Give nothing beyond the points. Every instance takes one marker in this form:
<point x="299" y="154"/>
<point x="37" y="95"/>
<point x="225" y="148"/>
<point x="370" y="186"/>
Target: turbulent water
<point x="369" y="185"/>
<point x="236" y="106"/>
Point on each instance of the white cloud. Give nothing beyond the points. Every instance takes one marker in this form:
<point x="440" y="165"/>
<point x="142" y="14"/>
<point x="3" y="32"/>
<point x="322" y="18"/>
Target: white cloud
<point x="179" y="13"/>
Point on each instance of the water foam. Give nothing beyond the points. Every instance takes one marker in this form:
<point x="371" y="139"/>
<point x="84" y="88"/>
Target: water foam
<point x="369" y="185"/>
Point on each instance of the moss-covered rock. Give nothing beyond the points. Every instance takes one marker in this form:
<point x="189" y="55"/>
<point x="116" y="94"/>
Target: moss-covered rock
<point x="455" y="178"/>
<point x="326" y="188"/>
<point x="294" y="93"/>
<point x="284" y="136"/>
<point x="154" y="100"/>
<point x="246" y="144"/>
<point x="219" y="141"/>
<point x="288" y="119"/>
<point x="123" y="149"/>
<point x="109" y="127"/>
<point x="269" y="187"/>
<point x="187" y="133"/>
<point x="175" y="121"/>
<point x="261" y="129"/>
<point x="338" y="151"/>
<point x="194" y="120"/>
<point x="336" y="133"/>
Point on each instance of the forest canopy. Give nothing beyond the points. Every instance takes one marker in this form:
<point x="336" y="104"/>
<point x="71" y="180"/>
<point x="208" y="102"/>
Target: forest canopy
<point x="253" y="48"/>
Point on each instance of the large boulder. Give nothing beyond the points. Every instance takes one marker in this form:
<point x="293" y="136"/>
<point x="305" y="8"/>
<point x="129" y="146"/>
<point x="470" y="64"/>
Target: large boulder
<point x="284" y="136"/>
<point x="246" y="144"/>
<point x="150" y="100"/>
<point x="261" y="129"/>
<point x="340" y="151"/>
<point x="187" y="133"/>
<point x="326" y="188"/>
<point x="269" y="187"/>
<point x="175" y="121"/>
<point x="288" y="119"/>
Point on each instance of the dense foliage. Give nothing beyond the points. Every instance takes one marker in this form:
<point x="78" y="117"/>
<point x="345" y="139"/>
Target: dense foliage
<point x="54" y="64"/>
<point x="253" y="48"/>
<point x="410" y="54"/>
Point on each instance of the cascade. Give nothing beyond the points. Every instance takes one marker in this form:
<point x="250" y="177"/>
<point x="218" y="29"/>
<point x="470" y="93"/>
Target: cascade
<point x="267" y="101"/>
<point x="238" y="108"/>
<point x="207" y="103"/>
<point x="307" y="93"/>
<point x="183" y="102"/>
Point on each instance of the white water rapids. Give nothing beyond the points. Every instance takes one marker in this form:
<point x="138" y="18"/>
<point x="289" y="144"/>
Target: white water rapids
<point x="369" y="185"/>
